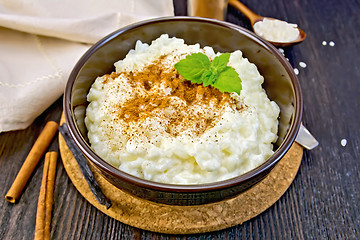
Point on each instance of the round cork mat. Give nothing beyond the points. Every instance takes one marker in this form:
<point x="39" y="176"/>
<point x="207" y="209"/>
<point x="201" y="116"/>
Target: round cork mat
<point x="168" y="219"/>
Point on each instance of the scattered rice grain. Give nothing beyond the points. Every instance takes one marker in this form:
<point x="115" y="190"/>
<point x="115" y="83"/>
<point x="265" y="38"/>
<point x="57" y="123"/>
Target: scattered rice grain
<point x="343" y="142"/>
<point x="296" y="71"/>
<point x="302" y="64"/>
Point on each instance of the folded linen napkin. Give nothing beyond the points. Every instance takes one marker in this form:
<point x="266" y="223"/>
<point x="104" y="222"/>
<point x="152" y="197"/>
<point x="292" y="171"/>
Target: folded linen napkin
<point x="41" y="40"/>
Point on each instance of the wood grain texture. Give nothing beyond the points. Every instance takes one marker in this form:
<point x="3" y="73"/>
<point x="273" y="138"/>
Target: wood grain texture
<point x="322" y="202"/>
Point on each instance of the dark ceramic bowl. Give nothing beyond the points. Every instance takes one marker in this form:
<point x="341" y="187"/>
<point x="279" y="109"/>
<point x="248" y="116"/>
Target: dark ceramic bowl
<point x="281" y="85"/>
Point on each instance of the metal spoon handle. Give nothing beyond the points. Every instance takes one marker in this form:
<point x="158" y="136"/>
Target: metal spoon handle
<point x="305" y="139"/>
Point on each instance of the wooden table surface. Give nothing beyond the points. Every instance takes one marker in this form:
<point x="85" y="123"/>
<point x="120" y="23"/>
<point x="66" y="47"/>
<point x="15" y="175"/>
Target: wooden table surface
<point x="323" y="201"/>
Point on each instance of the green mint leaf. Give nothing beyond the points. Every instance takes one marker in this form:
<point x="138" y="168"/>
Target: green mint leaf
<point x="220" y="62"/>
<point x="197" y="68"/>
<point x="193" y="67"/>
<point x="209" y="77"/>
<point x="228" y="81"/>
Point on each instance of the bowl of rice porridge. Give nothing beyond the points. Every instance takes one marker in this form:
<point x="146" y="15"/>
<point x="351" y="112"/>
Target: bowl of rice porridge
<point x="183" y="110"/>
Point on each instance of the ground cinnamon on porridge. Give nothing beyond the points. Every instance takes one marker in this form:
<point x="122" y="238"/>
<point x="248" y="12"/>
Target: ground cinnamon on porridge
<point x="141" y="106"/>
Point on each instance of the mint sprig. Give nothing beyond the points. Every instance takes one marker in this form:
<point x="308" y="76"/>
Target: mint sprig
<point x="197" y="68"/>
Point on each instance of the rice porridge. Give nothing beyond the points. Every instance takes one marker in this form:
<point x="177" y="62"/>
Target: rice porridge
<point x="148" y="121"/>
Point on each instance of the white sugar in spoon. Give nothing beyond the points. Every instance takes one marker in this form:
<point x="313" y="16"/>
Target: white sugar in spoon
<point x="254" y="18"/>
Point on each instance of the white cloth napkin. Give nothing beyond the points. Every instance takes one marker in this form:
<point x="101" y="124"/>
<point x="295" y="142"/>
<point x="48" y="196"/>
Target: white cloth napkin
<point x="41" y="40"/>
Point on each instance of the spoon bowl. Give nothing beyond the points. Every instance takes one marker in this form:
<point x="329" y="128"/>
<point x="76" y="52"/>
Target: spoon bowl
<point x="254" y="18"/>
<point x="302" y="36"/>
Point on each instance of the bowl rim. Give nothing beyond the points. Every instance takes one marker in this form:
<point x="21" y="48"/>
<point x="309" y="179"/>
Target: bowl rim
<point x="204" y="187"/>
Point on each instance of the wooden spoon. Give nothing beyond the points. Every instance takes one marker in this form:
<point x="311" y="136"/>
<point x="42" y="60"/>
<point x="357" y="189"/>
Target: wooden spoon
<point x="254" y="18"/>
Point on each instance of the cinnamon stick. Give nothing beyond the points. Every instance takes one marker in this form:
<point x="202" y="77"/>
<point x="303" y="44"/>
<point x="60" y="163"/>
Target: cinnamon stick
<point x="46" y="197"/>
<point x="35" y="154"/>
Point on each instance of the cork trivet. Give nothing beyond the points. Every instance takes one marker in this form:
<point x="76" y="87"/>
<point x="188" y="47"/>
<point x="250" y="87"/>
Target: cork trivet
<point x="168" y="219"/>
